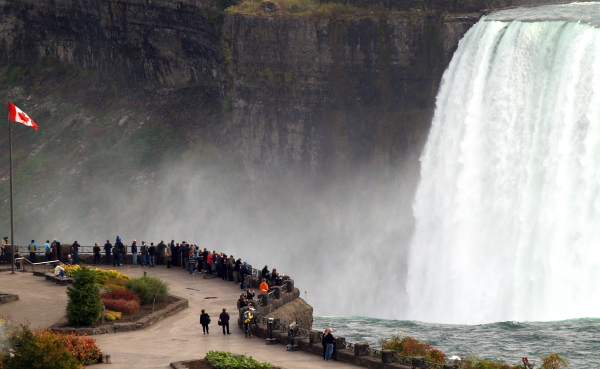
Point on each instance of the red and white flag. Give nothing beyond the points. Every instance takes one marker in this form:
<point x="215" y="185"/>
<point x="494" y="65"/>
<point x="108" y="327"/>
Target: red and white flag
<point x="16" y="115"/>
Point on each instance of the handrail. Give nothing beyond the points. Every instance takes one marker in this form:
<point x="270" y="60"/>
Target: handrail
<point x="26" y="264"/>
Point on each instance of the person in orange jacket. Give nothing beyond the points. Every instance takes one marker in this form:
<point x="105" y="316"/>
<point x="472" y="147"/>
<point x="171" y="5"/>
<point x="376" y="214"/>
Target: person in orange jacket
<point x="264" y="287"/>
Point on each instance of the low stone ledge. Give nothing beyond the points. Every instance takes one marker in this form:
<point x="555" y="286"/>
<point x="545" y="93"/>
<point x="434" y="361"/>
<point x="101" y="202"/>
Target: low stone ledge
<point x="141" y="323"/>
<point x="7" y="297"/>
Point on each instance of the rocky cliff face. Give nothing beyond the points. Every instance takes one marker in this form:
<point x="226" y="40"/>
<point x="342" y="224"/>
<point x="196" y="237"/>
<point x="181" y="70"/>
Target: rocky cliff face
<point x="332" y="94"/>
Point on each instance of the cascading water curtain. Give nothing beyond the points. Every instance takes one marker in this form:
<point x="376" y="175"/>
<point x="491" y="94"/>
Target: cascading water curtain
<point x="508" y="207"/>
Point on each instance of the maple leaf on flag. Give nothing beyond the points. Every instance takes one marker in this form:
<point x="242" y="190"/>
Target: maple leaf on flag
<point x="17" y="115"/>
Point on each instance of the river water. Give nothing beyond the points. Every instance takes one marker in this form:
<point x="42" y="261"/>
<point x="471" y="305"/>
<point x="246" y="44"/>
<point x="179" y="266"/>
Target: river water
<point x="577" y="340"/>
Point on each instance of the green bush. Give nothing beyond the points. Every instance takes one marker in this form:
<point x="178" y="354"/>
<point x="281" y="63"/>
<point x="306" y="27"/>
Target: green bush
<point x="85" y="306"/>
<point x="227" y="360"/>
<point x="34" y="352"/>
<point x="146" y="287"/>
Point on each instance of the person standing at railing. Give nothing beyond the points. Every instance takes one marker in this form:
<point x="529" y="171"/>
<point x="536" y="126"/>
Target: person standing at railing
<point x="96" y="253"/>
<point x="107" y="251"/>
<point x="144" y="253"/>
<point x="121" y="247"/>
<point x="4" y="250"/>
<point x="134" y="252"/>
<point x="193" y="253"/>
<point x="169" y="255"/>
<point x="328" y="344"/>
<point x="75" y="247"/>
<point x="264" y="287"/>
<point x="244" y="272"/>
<point x="47" y="250"/>
<point x="115" y="253"/>
<point x="160" y="252"/>
<point x="32" y="250"/>
<point x="236" y="270"/>
<point x="151" y="255"/>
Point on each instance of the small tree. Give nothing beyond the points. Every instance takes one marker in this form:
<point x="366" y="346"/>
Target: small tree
<point x="554" y="361"/>
<point x="85" y="305"/>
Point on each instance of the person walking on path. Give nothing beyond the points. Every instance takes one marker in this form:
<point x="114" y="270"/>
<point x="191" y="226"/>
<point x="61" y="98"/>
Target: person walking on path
<point x="47" y="250"/>
<point x="96" y="253"/>
<point x="134" y="252"/>
<point x="32" y="249"/>
<point x="205" y="321"/>
<point x="224" y="319"/>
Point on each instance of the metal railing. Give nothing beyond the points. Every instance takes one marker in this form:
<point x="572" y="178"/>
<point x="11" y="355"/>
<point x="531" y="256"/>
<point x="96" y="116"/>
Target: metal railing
<point x="28" y="266"/>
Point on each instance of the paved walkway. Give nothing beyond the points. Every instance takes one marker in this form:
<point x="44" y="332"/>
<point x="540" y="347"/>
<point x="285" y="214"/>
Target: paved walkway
<point x="175" y="338"/>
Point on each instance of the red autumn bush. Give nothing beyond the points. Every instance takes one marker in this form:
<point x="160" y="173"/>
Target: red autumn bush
<point x="120" y="295"/>
<point x="123" y="306"/>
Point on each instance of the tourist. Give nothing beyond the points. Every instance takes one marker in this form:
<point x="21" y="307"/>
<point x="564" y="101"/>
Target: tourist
<point x="59" y="253"/>
<point x="185" y="253"/>
<point x="54" y="255"/>
<point x="205" y="321"/>
<point x="47" y="250"/>
<point x="96" y="253"/>
<point x="206" y="267"/>
<point x="264" y="287"/>
<point x="160" y="252"/>
<point x="175" y="256"/>
<point x="75" y="246"/>
<point x="230" y="265"/>
<point x="265" y="273"/>
<point x="250" y="295"/>
<point x="192" y="254"/>
<point x="107" y="250"/>
<point x="213" y="266"/>
<point x="274" y="276"/>
<point x="151" y="255"/>
<point x="121" y="248"/>
<point x="236" y="271"/>
<point x="32" y="250"/>
<point x="244" y="272"/>
<point x="224" y="319"/>
<point x="115" y="252"/>
<point x="59" y="270"/>
<point x="328" y="344"/>
<point x="144" y="252"/>
<point x="242" y="302"/>
<point x="4" y="250"/>
<point x="247" y="319"/>
<point x="168" y="255"/>
<point x="134" y="252"/>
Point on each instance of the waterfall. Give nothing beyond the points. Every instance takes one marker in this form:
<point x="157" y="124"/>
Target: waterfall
<point x="508" y="206"/>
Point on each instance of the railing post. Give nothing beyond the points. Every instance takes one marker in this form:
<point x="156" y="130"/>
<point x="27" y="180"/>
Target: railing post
<point x="289" y="285"/>
<point x="387" y="356"/>
<point x="276" y="292"/>
<point x="360" y="348"/>
<point x="419" y="362"/>
<point x="315" y="336"/>
<point x="265" y="298"/>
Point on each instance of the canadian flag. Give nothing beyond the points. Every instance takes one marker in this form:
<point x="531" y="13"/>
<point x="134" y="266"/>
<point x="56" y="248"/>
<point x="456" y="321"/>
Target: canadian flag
<point x="16" y="115"/>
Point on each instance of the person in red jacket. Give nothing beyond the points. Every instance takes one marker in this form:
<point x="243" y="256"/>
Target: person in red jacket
<point x="264" y="287"/>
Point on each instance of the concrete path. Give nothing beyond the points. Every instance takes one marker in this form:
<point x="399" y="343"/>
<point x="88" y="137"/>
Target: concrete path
<point x="175" y="338"/>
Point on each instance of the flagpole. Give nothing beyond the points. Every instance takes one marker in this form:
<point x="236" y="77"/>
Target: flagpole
<point x="12" y="236"/>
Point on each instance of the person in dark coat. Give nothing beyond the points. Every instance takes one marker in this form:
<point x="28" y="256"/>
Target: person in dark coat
<point x="205" y="321"/>
<point x="224" y="318"/>
<point x="115" y="252"/>
<point x="75" y="247"/>
<point x="107" y="251"/>
<point x="59" y="253"/>
<point x="328" y="344"/>
<point x="96" y="253"/>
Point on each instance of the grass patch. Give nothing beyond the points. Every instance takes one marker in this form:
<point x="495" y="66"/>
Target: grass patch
<point x="316" y="9"/>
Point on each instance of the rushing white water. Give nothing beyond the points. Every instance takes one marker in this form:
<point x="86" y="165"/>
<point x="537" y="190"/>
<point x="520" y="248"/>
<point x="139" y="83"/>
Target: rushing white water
<point x="508" y="207"/>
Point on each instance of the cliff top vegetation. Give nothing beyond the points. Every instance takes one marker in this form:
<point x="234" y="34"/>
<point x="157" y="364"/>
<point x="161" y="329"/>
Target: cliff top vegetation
<point x="314" y="9"/>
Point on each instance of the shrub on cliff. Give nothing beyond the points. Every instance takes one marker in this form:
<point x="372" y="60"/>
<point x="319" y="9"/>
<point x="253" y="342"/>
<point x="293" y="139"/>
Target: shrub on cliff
<point x="85" y="305"/>
<point x="410" y="346"/>
<point x="146" y="287"/>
